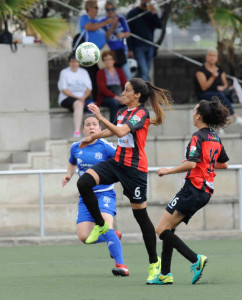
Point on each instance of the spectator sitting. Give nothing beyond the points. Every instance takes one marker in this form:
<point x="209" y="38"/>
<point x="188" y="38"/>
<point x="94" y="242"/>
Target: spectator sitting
<point x="210" y="81"/>
<point x="75" y="88"/>
<point x="110" y="81"/>
<point x="144" y="27"/>
<point x="93" y="32"/>
<point x="115" y="35"/>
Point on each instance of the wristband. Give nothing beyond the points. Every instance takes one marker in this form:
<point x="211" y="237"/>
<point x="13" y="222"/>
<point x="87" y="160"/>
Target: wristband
<point x="213" y="76"/>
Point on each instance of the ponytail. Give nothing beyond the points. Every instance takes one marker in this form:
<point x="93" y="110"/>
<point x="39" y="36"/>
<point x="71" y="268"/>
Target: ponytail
<point x="213" y="113"/>
<point x="157" y="96"/>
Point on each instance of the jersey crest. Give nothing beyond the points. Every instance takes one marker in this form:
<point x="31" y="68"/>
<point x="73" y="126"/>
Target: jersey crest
<point x="98" y="155"/>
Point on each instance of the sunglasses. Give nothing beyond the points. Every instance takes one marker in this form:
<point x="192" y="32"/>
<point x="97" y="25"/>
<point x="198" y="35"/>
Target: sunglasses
<point x="110" y="9"/>
<point x="95" y="7"/>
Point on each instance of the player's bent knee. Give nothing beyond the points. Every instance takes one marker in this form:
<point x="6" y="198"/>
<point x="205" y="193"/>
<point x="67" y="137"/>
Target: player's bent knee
<point x="163" y="233"/>
<point x="82" y="237"/>
<point x="85" y="183"/>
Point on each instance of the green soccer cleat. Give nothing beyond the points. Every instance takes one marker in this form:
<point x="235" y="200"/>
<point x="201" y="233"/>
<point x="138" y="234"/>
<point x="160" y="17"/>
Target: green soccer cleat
<point x="198" y="267"/>
<point x="154" y="271"/>
<point x="96" y="232"/>
<point x="162" y="279"/>
<point x="166" y="279"/>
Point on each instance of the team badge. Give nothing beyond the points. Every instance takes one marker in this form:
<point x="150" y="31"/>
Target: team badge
<point x="98" y="155"/>
<point x="135" y="120"/>
<point x="192" y="150"/>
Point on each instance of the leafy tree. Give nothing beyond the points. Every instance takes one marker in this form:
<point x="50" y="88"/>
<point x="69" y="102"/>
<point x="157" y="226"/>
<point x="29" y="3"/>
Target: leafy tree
<point x="32" y="16"/>
<point x="224" y="15"/>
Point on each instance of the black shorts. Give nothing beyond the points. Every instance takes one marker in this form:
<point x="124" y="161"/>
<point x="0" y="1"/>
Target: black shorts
<point x="188" y="201"/>
<point x="68" y="103"/>
<point x="134" y="181"/>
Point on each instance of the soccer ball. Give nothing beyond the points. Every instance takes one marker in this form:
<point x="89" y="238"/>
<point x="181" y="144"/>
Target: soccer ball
<point x="87" y="54"/>
<point x="133" y="65"/>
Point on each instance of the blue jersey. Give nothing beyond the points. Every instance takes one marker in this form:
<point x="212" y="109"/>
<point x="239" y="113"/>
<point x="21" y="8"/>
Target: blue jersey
<point x="113" y="41"/>
<point x="86" y="157"/>
<point x="97" y="36"/>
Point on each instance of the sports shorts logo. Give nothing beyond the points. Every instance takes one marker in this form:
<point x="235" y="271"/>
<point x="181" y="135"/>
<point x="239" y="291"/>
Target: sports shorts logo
<point x="106" y="200"/>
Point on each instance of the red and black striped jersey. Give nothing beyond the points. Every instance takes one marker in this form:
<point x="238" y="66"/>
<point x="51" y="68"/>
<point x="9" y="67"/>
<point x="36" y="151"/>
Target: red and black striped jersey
<point x="205" y="148"/>
<point x="130" y="150"/>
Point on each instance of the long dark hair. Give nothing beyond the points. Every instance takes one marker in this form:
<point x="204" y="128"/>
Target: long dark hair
<point x="213" y="113"/>
<point x="155" y="95"/>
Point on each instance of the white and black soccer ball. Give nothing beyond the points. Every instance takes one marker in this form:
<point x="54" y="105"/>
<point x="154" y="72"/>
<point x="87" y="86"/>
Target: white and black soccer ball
<point x="87" y="54"/>
<point x="133" y="65"/>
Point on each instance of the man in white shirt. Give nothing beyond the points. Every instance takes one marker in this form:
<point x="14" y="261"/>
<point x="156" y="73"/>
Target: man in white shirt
<point x="75" y="87"/>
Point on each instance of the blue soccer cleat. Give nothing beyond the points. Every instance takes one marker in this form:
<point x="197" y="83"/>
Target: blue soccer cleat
<point x="198" y="267"/>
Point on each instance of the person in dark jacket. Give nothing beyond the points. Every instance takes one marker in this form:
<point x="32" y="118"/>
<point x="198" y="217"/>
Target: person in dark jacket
<point x="144" y="27"/>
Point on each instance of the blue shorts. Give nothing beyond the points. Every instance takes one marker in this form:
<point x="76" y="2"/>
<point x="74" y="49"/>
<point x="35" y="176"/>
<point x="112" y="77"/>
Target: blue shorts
<point x="106" y="203"/>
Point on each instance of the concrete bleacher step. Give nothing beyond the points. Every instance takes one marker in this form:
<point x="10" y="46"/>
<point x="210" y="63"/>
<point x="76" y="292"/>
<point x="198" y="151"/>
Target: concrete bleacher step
<point x="19" y="206"/>
<point x="177" y="122"/>
<point x="59" y="218"/>
<point x="161" y="151"/>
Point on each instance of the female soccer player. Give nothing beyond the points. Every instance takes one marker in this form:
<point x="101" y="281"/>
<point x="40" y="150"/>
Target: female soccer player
<point x="204" y="153"/>
<point x="98" y="150"/>
<point x="129" y="165"/>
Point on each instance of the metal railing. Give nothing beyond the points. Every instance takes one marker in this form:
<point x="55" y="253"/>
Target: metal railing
<point x="63" y="171"/>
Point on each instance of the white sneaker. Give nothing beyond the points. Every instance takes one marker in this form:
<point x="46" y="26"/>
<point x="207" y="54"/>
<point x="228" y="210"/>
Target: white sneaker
<point x="238" y="121"/>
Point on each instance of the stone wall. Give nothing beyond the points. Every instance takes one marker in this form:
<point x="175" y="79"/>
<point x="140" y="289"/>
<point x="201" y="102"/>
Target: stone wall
<point x="24" y="98"/>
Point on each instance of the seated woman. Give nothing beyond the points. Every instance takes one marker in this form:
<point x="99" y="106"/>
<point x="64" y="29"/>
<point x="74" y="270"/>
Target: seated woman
<point x="210" y="81"/>
<point x="110" y="82"/>
<point x="75" y="88"/>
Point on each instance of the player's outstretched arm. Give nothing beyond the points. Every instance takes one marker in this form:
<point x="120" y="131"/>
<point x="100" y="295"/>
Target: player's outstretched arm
<point x="118" y="131"/>
<point x="71" y="169"/>
<point x="186" y="166"/>
<point x="103" y="134"/>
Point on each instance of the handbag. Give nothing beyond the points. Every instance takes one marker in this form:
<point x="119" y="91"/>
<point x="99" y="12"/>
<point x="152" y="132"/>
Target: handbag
<point x="120" y="56"/>
<point x="7" y="38"/>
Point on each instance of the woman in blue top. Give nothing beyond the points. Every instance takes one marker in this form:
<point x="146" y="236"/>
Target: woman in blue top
<point x="115" y="35"/>
<point x="94" y="33"/>
<point x="99" y="150"/>
<point x="93" y="27"/>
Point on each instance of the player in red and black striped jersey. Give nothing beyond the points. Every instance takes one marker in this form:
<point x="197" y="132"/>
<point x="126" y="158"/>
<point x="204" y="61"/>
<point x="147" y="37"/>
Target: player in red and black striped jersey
<point x="130" y="150"/>
<point x="205" y="149"/>
<point x="129" y="166"/>
<point x="205" y="153"/>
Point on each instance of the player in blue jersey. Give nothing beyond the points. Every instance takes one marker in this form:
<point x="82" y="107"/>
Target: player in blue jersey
<point x="83" y="159"/>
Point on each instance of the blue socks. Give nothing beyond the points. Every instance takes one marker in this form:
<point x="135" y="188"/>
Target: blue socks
<point x="114" y="245"/>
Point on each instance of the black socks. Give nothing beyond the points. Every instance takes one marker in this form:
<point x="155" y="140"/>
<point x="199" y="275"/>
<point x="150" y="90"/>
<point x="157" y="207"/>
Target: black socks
<point x="169" y="238"/>
<point x="166" y="255"/>
<point x="148" y="231"/>
<point x="85" y="184"/>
